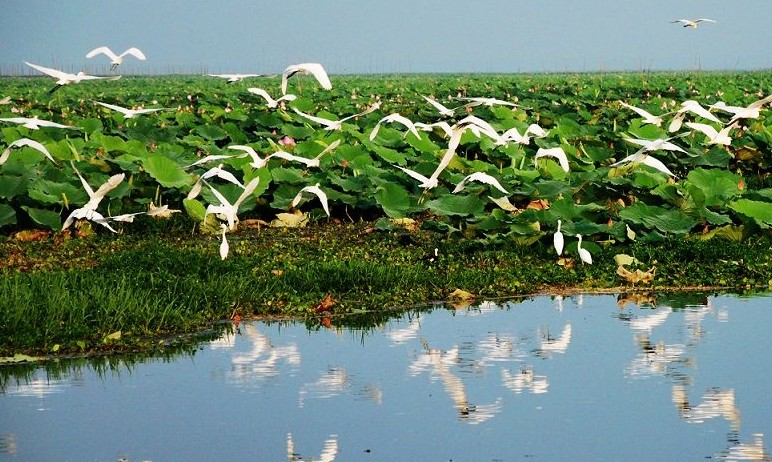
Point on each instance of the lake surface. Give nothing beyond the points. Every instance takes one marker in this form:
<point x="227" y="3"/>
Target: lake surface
<point x="677" y="377"/>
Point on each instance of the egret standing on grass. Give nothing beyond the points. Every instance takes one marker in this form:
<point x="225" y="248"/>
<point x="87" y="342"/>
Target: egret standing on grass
<point x="314" y="69"/>
<point x="116" y="60"/>
<point x="558" y="240"/>
<point x="224" y="247"/>
<point x="584" y="254"/>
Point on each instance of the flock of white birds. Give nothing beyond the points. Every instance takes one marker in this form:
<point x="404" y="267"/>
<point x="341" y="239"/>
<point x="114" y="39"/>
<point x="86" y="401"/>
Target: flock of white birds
<point x="227" y="212"/>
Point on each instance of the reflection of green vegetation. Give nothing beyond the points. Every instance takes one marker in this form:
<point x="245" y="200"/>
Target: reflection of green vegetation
<point x="70" y="296"/>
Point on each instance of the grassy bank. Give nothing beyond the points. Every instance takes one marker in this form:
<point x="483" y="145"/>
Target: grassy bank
<point x="74" y="295"/>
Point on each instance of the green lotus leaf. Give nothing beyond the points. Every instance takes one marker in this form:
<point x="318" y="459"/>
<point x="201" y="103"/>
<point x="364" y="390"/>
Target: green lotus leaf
<point x="712" y="187"/>
<point x="760" y="212"/>
<point x="211" y="132"/>
<point x="90" y="125"/>
<point x="7" y="215"/>
<point x="394" y="200"/>
<point x="52" y="192"/>
<point x="451" y="204"/>
<point x="166" y="172"/>
<point x="195" y="209"/>
<point x="660" y="218"/>
<point x="12" y="186"/>
<point x="47" y="218"/>
<point x="288" y="175"/>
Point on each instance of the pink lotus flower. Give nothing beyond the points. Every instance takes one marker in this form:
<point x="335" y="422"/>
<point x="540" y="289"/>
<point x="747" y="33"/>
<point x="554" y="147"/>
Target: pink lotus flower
<point x="287" y="141"/>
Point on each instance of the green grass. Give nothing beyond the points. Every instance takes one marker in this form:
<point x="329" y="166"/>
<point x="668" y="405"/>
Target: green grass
<point x="151" y="287"/>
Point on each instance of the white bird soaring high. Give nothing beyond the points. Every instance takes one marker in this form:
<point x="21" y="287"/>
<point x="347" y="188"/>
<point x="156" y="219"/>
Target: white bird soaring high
<point x="317" y="192"/>
<point x="25" y="142"/>
<point x="65" y="78"/>
<point x="115" y="59"/>
<point x="692" y="23"/>
<point x="129" y="113"/>
<point x="315" y="69"/>
<point x="270" y="102"/>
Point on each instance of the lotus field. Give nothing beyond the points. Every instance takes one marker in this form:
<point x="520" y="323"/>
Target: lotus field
<point x="611" y="157"/>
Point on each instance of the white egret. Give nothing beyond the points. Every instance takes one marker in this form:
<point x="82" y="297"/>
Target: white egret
<point x="88" y="211"/>
<point x="752" y="111"/>
<point x="444" y="126"/>
<point x="270" y="102"/>
<point x="335" y="124"/>
<point x="443" y="110"/>
<point x="224" y="247"/>
<point x="693" y="107"/>
<point x="395" y="117"/>
<point x="308" y="162"/>
<point x="116" y="60"/>
<point x="212" y="172"/>
<point x="65" y="78"/>
<point x="481" y="177"/>
<point x="642" y="156"/>
<point x="482" y="101"/>
<point x="477" y="126"/>
<point x="313" y="190"/>
<point x="557" y="152"/>
<point x="558" y="240"/>
<point x="315" y="69"/>
<point x="656" y="145"/>
<point x="129" y="113"/>
<point x="34" y="122"/>
<point x="648" y="118"/>
<point x="212" y="157"/>
<point x="226" y="210"/>
<point x="233" y="78"/>
<point x="584" y="254"/>
<point x="432" y="181"/>
<point x="25" y="142"/>
<point x="714" y="136"/>
<point x="692" y="23"/>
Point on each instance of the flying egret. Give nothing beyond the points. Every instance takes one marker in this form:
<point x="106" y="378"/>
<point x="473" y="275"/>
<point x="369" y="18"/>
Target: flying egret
<point x="482" y="177"/>
<point x="25" y="142"/>
<point x="444" y="126"/>
<point x="116" y="60"/>
<point x="129" y="113"/>
<point x="233" y="78"/>
<point x="648" y="118"/>
<point x="584" y="254"/>
<point x="752" y="111"/>
<point x="477" y="126"/>
<point x="432" y="181"/>
<point x="482" y="101"/>
<point x="226" y="210"/>
<point x="224" y="247"/>
<point x="212" y="172"/>
<point x="315" y="69"/>
<point x="308" y="162"/>
<point x="270" y="102"/>
<point x="313" y="190"/>
<point x="65" y="78"/>
<point x="88" y="211"/>
<point x="34" y="122"/>
<point x="643" y="156"/>
<point x="395" y="117"/>
<point x="693" y="23"/>
<point x="443" y="110"/>
<point x="335" y="124"/>
<point x="558" y="153"/>
<point x="714" y="137"/>
<point x="693" y="107"/>
<point x="558" y="240"/>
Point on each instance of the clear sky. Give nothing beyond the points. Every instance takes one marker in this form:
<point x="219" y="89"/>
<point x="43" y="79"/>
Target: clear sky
<point x="362" y="36"/>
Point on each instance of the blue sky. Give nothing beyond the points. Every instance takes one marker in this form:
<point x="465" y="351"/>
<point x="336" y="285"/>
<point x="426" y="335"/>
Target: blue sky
<point x="348" y="36"/>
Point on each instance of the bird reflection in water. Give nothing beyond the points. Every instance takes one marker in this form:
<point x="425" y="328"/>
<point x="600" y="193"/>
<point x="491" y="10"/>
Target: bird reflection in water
<point x="328" y="454"/>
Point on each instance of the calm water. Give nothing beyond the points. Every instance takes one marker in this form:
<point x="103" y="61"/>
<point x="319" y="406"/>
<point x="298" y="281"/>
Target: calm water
<point x="546" y="379"/>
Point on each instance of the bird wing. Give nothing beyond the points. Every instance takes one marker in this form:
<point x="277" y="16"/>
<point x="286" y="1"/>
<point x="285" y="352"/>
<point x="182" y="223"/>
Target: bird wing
<point x="248" y="190"/>
<point x="695" y="108"/>
<point x="115" y="108"/>
<point x="52" y="72"/>
<point x="264" y="94"/>
<point x="106" y="187"/>
<point x="557" y="153"/>
<point x="482" y="177"/>
<point x="33" y="144"/>
<point x="704" y="128"/>
<point x="318" y="192"/>
<point x="136" y="52"/>
<point x="439" y="106"/>
<point x="331" y="124"/>
<point x="319" y="73"/>
<point x="102" y="50"/>
<point x="656" y="163"/>
<point x="415" y="175"/>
